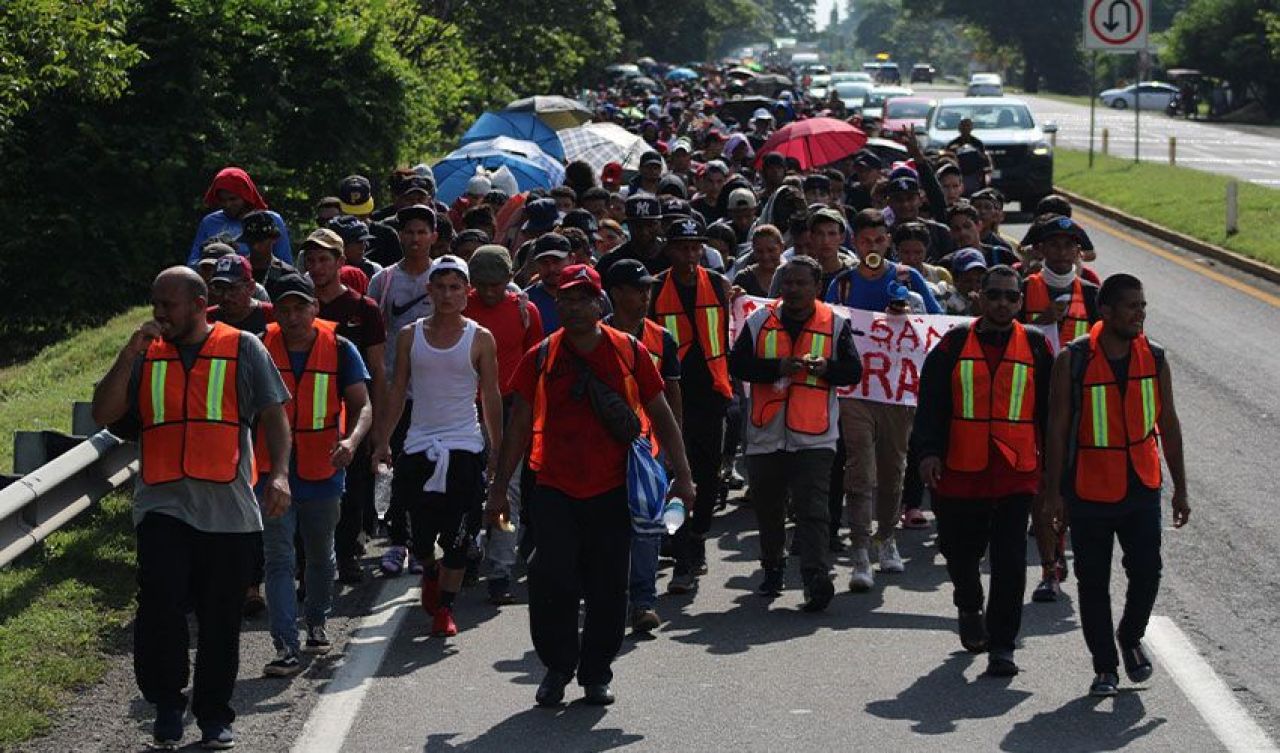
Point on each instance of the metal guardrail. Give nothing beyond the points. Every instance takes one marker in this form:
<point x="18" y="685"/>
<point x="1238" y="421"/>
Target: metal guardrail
<point x="46" y="498"/>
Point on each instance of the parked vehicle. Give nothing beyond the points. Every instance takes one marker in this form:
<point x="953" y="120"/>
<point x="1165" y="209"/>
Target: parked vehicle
<point x="922" y="73"/>
<point x="859" y="76"/>
<point x="853" y="94"/>
<point x="1149" y="95"/>
<point x="985" y="85"/>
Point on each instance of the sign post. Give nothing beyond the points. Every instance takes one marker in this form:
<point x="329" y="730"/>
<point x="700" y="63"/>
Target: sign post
<point x="1117" y="26"/>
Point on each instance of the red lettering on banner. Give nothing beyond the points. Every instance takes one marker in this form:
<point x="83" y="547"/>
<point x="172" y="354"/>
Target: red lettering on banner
<point x="908" y="381"/>
<point x="908" y="333"/>
<point x="876" y="365"/>
<point x="932" y="336"/>
<point x="881" y="333"/>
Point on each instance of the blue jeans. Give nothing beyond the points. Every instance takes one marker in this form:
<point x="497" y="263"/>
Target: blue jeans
<point x="644" y="569"/>
<point x="315" y="520"/>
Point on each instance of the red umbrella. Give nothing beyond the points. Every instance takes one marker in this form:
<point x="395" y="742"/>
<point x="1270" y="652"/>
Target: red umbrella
<point x="814" y="142"/>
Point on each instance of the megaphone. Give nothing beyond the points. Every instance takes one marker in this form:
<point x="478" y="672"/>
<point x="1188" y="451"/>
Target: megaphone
<point x="873" y="260"/>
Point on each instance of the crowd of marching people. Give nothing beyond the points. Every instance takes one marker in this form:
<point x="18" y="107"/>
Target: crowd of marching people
<point x="541" y="383"/>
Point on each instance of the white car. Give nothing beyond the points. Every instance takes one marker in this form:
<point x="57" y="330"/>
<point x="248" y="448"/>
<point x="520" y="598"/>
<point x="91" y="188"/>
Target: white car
<point x="818" y="86"/>
<point x="985" y="85"/>
<point x="1151" y="95"/>
<point x="874" y="106"/>
<point x="852" y="93"/>
<point x="857" y="76"/>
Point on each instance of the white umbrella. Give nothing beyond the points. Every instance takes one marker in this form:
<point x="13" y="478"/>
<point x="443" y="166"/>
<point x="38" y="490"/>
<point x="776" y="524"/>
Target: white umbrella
<point x="598" y="144"/>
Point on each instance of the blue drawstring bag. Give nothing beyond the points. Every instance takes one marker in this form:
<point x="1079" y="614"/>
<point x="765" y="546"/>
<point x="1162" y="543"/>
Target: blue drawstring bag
<point x="646" y="488"/>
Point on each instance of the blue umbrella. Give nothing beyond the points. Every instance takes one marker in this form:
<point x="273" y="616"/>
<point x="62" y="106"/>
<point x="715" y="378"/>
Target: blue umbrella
<point x="681" y="74"/>
<point x="526" y="126"/>
<point x="531" y="166"/>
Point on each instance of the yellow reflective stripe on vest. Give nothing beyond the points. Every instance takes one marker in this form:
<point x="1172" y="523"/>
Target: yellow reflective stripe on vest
<point x="672" y="323"/>
<point x="817" y="345"/>
<point x="319" y="401"/>
<point x="713" y="332"/>
<point x="1148" y="406"/>
<point x="771" y="343"/>
<point x="217" y="383"/>
<point x="159" y="370"/>
<point x="966" y="389"/>
<point x="1098" y="401"/>
<point x="1017" y="390"/>
<point x="1082" y="329"/>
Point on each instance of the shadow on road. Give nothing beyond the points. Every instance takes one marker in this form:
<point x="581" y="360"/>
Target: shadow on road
<point x="1085" y="725"/>
<point x="570" y="728"/>
<point x="936" y="702"/>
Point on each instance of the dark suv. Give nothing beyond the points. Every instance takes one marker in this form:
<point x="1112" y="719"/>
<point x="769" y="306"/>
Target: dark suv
<point x="922" y="73"/>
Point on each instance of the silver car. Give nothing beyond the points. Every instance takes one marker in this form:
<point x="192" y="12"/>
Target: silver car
<point x="1151" y="95"/>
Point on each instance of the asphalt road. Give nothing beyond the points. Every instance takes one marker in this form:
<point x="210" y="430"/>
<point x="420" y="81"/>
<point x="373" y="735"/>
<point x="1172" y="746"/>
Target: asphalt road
<point x="729" y="670"/>
<point x="1246" y="152"/>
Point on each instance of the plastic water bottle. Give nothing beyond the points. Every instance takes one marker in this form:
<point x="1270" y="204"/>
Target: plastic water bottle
<point x="382" y="490"/>
<point x="673" y="515"/>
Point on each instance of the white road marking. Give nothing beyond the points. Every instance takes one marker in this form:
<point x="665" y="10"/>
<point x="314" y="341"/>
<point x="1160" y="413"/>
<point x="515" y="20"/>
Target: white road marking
<point x="330" y="721"/>
<point x="1206" y="691"/>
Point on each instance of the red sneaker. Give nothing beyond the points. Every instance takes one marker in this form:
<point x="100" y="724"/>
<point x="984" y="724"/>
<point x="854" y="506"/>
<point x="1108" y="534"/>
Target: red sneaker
<point x="443" y="625"/>
<point x="431" y="592"/>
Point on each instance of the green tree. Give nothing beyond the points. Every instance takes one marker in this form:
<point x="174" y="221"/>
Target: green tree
<point x="1235" y="40"/>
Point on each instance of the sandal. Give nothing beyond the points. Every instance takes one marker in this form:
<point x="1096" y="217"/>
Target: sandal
<point x="914" y="518"/>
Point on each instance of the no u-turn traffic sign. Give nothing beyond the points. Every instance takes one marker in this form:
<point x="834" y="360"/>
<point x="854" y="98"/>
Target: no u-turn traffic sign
<point x="1116" y="25"/>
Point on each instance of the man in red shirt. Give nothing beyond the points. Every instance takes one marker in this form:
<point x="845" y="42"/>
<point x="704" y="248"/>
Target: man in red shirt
<point x="979" y="428"/>
<point x="583" y="532"/>
<point x="516" y="327"/>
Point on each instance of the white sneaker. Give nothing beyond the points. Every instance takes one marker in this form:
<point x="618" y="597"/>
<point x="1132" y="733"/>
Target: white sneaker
<point x="861" y="580"/>
<point x="890" y="561"/>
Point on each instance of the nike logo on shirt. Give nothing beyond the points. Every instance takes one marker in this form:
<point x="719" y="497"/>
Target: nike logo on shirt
<point x="398" y="310"/>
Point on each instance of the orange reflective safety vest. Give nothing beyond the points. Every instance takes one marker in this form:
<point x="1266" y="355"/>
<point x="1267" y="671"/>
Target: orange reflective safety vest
<point x="1117" y="427"/>
<point x="710" y="326"/>
<point x="999" y="410"/>
<point x="625" y="348"/>
<point x="1075" y="323"/>
<point x="315" y="408"/>
<point x="191" y="417"/>
<point x="651" y="337"/>
<point x="806" y="397"/>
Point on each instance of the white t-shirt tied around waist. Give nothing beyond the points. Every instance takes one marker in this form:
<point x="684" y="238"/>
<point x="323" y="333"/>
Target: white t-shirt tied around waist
<point x="444" y="414"/>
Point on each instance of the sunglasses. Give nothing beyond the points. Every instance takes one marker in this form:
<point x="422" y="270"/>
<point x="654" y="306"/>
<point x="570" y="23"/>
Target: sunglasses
<point x="1011" y="296"/>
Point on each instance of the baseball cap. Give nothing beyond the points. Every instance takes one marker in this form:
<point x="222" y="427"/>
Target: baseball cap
<point x="628" y="272"/>
<point x="643" y="206"/>
<point x="611" y="173"/>
<point x="324" y="238"/>
<point x="904" y="184"/>
<point x="213" y="252"/>
<point x="449" y="263"/>
<point x="417" y="212"/>
<point x="672" y="184"/>
<point x="576" y="275"/>
<point x="583" y="220"/>
<point x="674" y="206"/>
<point x="258" y="226"/>
<point x="418" y="184"/>
<point x="991" y="194"/>
<point x="817" y="182"/>
<point x="350" y="229"/>
<point x="741" y="198"/>
<point x="355" y="193"/>
<point x="682" y="144"/>
<point x="540" y="215"/>
<point x="774" y="159"/>
<point x="293" y="284"/>
<point x="718" y="166"/>
<point x="551" y="244"/>
<point x="826" y="214"/>
<point x="685" y="229"/>
<point x="762" y="113"/>
<point x="966" y="259"/>
<point x="231" y="269"/>
<point x="490" y="264"/>
<point x="868" y="160"/>
<point x="1056" y="224"/>
<point x="650" y="157"/>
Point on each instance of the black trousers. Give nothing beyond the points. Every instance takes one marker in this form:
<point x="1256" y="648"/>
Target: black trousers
<point x="181" y="567"/>
<point x="582" y="553"/>
<point x="912" y="484"/>
<point x="703" y="446"/>
<point x="835" y="489"/>
<point x="1092" y="540"/>
<point x="966" y="529"/>
<point x="356" y="514"/>
<point x="398" y="511"/>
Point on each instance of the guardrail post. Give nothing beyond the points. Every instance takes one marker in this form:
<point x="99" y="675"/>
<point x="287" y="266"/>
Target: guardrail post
<point x="1106" y="139"/>
<point x="82" y="423"/>
<point x="28" y="451"/>
<point x="1053" y="139"/>
<point x="1173" y="151"/>
<point x="1233" y="217"/>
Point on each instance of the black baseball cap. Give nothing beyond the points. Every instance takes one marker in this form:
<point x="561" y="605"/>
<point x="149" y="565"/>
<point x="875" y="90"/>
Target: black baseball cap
<point x="293" y="283"/>
<point x="551" y="244"/>
<point x="628" y="272"/>
<point x="686" y="229"/>
<point x="868" y="159"/>
<point x="351" y="229"/>
<point x="541" y="215"/>
<point x="774" y="159"/>
<point x="643" y="206"/>
<point x="355" y="193"/>
<point x="258" y="226"/>
<point x="1056" y="224"/>
<point x="650" y="157"/>
<point x="674" y="206"/>
<point x="817" y="182"/>
<point x="583" y="220"/>
<point x="417" y="212"/>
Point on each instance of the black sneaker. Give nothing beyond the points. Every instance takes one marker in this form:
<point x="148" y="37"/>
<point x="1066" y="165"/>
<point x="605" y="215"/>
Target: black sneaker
<point x="1105" y="685"/>
<point x="772" y="584"/>
<point x="551" y="689"/>
<point x="1000" y="664"/>
<point x="349" y="571"/>
<point x="1047" y="591"/>
<point x="317" y="641"/>
<point x="286" y="664"/>
<point x="818" y="591"/>
<point x="166" y="733"/>
<point x="217" y="737"/>
<point x="973" y="631"/>
<point x="500" y="592"/>
<point x="1136" y="664"/>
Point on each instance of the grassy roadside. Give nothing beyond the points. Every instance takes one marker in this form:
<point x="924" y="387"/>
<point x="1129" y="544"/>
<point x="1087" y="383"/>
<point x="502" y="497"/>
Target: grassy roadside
<point x="1188" y="201"/>
<point x="38" y="394"/>
<point x="64" y="606"/>
<point x="63" y="609"/>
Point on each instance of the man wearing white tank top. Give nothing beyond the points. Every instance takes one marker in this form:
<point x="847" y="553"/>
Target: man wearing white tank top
<point x="440" y="476"/>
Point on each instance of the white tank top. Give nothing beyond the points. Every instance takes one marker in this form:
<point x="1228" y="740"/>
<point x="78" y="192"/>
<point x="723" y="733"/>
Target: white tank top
<point x="444" y="388"/>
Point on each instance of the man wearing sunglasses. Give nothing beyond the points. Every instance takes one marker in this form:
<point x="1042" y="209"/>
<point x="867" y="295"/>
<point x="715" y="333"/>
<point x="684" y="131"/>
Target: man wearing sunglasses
<point x="979" y="427"/>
